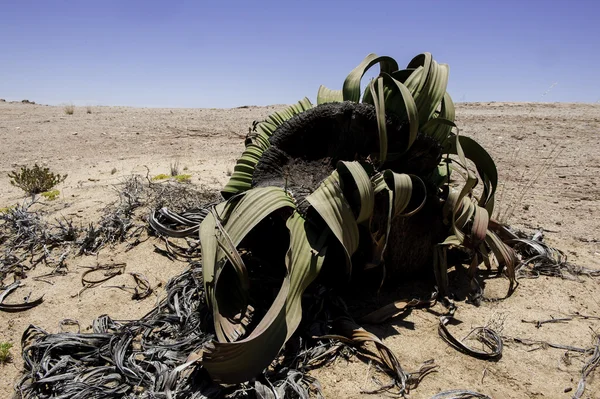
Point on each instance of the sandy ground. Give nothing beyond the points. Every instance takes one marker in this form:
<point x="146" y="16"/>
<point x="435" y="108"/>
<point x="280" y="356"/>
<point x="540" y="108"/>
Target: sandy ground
<point x="557" y="142"/>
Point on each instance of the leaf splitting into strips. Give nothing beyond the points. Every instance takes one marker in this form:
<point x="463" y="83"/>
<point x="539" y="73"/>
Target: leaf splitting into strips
<point x="366" y="194"/>
<point x="486" y="168"/>
<point x="351" y="89"/>
<point x="243" y="215"/>
<point x="506" y="257"/>
<point x="441" y="131"/>
<point x="439" y="128"/>
<point x="481" y="219"/>
<point x="379" y="237"/>
<point x="423" y="60"/>
<point x="470" y="183"/>
<point x="403" y="104"/>
<point x="326" y="95"/>
<point x="236" y="362"/>
<point x="379" y="103"/>
<point x="213" y="260"/>
<point x="398" y="187"/>
<point x="399" y="101"/>
<point x="465" y="213"/>
<point x="431" y="87"/>
<point x="402" y="185"/>
<point x="329" y="202"/>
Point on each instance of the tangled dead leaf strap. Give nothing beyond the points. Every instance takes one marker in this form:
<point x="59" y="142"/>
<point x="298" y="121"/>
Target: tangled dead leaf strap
<point x="488" y="337"/>
<point x="17" y="307"/>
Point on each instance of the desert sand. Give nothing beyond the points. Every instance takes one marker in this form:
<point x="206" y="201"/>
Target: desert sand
<point x="559" y="143"/>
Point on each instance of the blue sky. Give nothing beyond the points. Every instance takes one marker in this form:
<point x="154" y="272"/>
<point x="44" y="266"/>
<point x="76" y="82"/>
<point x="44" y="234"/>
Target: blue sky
<point x="232" y="53"/>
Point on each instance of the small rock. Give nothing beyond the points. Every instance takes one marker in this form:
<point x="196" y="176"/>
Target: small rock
<point x="568" y="389"/>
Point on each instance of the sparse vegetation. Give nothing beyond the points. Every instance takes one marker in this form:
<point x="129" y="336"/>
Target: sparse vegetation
<point x="183" y="178"/>
<point x="5" y="355"/>
<point x="27" y="238"/>
<point x="35" y="180"/>
<point x="51" y="195"/>
<point x="69" y="109"/>
<point x="161" y="176"/>
<point x="88" y="109"/>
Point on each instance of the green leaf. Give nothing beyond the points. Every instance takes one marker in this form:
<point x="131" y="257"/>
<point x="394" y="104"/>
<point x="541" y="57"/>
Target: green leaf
<point x="238" y="217"/>
<point x="441" y="131"/>
<point x="505" y="255"/>
<point x="236" y="362"/>
<point x="486" y="168"/>
<point x="402" y="103"/>
<point x="326" y="95"/>
<point x="213" y="261"/>
<point x="379" y="103"/>
<point x="365" y="196"/>
<point x="401" y="185"/>
<point x="351" y="88"/>
<point x="329" y="202"/>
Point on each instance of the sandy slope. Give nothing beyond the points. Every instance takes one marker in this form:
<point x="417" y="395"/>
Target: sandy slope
<point x="560" y="142"/>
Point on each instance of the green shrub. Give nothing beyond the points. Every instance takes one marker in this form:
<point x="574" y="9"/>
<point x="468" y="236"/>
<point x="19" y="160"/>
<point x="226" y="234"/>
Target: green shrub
<point x="183" y="178"/>
<point x="5" y="355"/>
<point x="35" y="180"/>
<point x="162" y="176"/>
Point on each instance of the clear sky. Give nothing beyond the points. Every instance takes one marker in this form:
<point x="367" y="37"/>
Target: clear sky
<point x="229" y="53"/>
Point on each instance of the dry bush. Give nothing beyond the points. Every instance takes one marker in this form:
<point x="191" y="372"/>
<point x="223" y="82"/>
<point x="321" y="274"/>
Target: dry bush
<point x="175" y="168"/>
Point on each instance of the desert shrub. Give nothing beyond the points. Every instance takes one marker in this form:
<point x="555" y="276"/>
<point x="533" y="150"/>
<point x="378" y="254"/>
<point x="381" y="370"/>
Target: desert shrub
<point x="35" y="180"/>
<point x="88" y="110"/>
<point x="161" y="176"/>
<point x="5" y="355"/>
<point x="183" y="178"/>
<point x="69" y="109"/>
